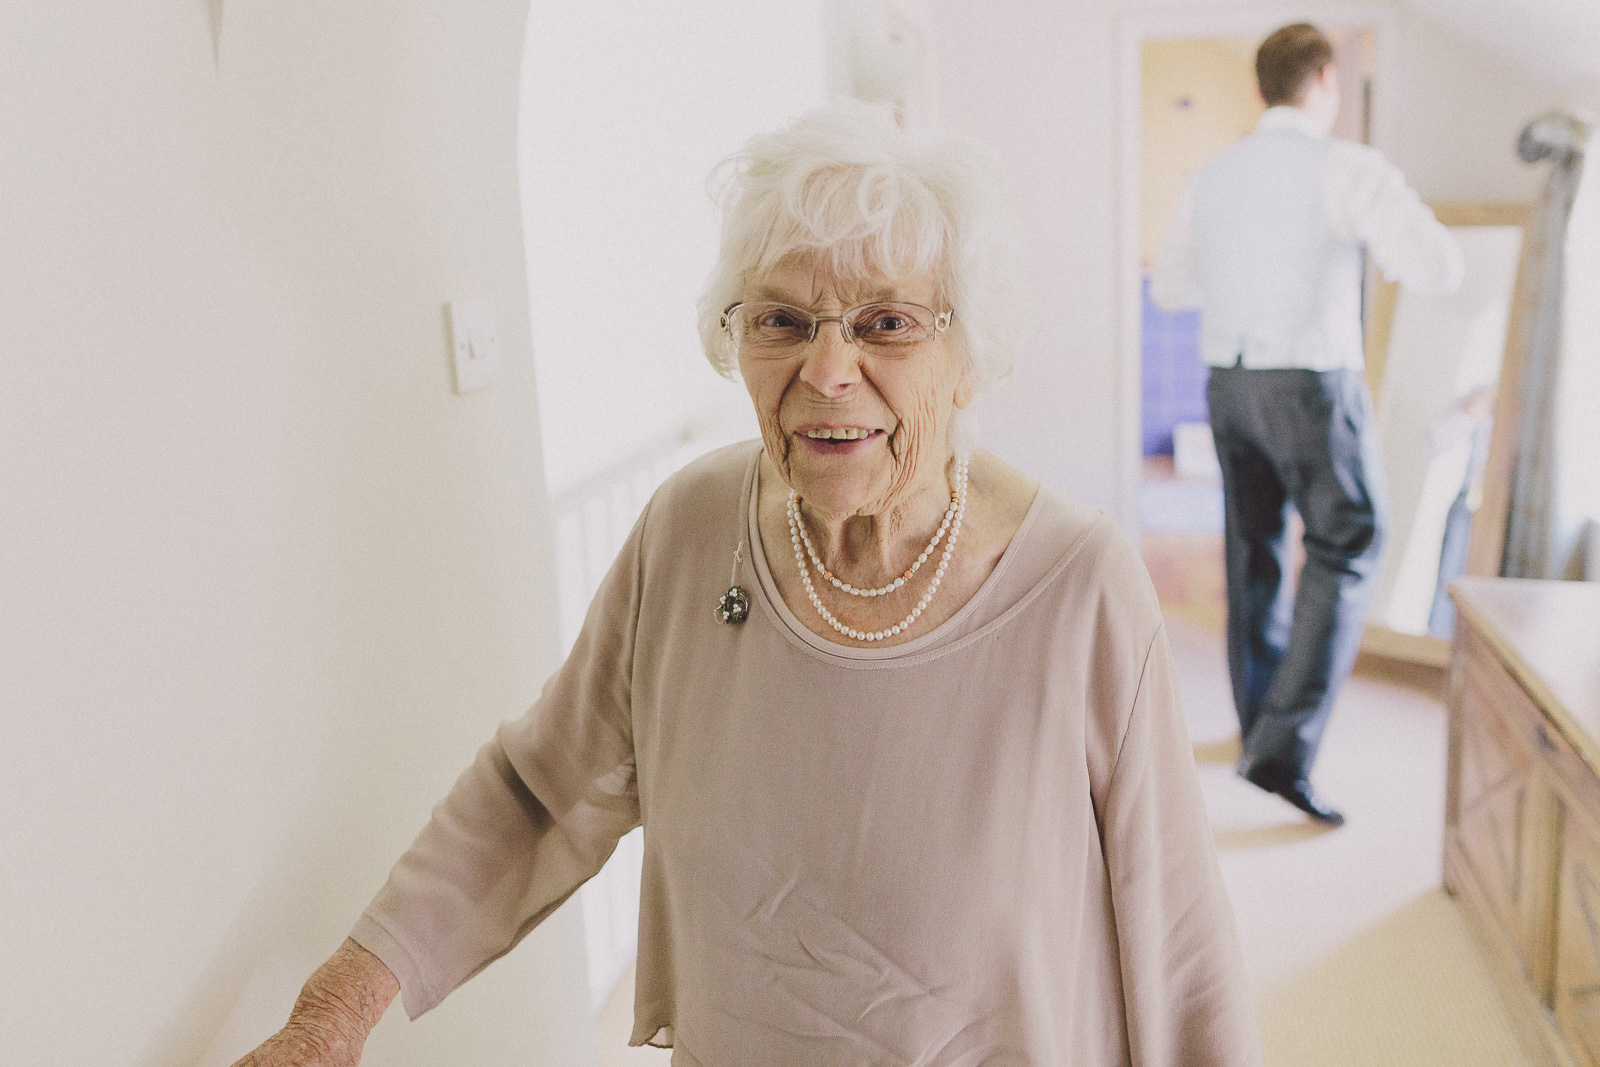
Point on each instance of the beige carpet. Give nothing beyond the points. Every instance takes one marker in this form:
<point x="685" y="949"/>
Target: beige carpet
<point x="1408" y="991"/>
<point x="1355" y="956"/>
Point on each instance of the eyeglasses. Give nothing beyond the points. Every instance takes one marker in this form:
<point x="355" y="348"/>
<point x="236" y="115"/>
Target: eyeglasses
<point x="769" y="330"/>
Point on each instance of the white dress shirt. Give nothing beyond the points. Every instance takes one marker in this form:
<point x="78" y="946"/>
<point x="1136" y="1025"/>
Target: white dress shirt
<point x="1267" y="239"/>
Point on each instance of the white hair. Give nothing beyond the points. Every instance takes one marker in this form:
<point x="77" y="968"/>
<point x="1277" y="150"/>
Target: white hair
<point x="865" y="197"/>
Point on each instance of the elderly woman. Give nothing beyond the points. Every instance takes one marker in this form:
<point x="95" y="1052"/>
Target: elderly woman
<point x="915" y="784"/>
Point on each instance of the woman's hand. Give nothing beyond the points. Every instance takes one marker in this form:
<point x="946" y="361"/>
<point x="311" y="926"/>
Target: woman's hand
<point x="337" y="1008"/>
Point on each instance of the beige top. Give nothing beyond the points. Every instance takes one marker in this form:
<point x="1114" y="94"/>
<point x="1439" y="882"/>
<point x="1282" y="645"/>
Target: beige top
<point x="986" y="846"/>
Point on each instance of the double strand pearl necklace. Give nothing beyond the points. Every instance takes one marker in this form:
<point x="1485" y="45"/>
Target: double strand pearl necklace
<point x="951" y="525"/>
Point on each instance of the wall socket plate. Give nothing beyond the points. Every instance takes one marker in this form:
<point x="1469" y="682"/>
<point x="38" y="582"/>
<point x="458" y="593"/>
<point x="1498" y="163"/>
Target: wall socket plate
<point x="474" y="343"/>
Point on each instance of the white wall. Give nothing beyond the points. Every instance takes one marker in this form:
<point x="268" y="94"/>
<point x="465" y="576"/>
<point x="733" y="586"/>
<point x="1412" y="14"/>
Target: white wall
<point x="266" y="582"/>
<point x="1459" y="110"/>
<point x="628" y="106"/>
<point x="1041" y="81"/>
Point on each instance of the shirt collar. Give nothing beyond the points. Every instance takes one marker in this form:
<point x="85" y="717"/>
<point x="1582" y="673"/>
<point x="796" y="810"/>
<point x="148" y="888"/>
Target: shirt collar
<point x="1286" y="117"/>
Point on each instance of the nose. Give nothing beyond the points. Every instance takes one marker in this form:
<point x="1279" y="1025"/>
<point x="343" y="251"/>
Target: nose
<point x="832" y="364"/>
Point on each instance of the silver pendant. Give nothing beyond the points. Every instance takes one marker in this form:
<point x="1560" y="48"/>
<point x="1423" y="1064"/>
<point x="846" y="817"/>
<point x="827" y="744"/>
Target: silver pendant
<point x="734" y="606"/>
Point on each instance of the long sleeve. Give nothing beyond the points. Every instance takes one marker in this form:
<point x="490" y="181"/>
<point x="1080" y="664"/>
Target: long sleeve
<point x="1173" y="281"/>
<point x="1368" y="201"/>
<point x="535" y="815"/>
<point x="1183" y="982"/>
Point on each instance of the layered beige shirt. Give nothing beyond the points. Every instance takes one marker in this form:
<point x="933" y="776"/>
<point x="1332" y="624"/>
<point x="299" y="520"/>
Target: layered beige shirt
<point x="986" y="846"/>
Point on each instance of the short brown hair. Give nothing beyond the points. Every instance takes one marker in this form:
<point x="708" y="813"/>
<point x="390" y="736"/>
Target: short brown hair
<point x="1288" y="59"/>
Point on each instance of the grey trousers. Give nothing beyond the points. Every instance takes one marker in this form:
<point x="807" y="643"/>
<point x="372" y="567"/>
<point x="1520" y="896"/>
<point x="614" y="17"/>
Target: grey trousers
<point x="1303" y="438"/>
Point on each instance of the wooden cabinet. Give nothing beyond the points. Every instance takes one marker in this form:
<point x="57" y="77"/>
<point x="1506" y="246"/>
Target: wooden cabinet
<point x="1522" y="826"/>
<point x="1577" y="977"/>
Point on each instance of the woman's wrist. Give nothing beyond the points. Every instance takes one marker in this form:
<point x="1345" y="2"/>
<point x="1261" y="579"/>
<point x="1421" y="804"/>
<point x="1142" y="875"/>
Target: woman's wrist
<point x="344" y="999"/>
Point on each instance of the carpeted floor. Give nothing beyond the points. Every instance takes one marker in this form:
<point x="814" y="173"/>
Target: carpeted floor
<point x="1356" y="958"/>
<point x="1355" y="954"/>
<point x="1408" y="991"/>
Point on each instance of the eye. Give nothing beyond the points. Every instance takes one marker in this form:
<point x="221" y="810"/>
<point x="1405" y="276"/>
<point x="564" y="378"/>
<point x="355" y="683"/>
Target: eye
<point x="771" y="328"/>
<point x="889" y="324"/>
<point x="777" y="317"/>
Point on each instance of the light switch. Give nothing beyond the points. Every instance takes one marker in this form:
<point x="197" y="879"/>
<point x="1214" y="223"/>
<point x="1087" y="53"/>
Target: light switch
<point x="474" y="343"/>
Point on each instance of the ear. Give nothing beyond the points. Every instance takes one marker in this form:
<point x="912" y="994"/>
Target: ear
<point x="966" y="389"/>
<point x="1329" y="77"/>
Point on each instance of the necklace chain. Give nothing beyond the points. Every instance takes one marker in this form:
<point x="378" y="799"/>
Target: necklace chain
<point x="948" y="530"/>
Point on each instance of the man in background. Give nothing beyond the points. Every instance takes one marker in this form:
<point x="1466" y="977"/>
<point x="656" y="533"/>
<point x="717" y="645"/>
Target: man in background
<point x="1267" y="241"/>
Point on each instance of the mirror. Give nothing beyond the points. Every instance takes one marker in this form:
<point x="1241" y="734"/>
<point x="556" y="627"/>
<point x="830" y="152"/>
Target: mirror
<point x="1443" y="372"/>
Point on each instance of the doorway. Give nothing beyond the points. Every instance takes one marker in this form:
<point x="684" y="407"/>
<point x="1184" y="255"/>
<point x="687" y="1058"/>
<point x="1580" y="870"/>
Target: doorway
<point x="1191" y="94"/>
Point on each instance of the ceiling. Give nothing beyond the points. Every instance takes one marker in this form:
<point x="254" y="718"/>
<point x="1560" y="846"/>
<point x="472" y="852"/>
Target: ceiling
<point x="1558" y="37"/>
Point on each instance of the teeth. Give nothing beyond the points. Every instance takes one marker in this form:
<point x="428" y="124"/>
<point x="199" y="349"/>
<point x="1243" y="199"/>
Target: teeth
<point x="852" y="434"/>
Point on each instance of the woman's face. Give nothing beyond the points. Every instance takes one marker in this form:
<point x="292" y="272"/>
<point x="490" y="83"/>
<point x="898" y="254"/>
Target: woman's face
<point x="852" y="432"/>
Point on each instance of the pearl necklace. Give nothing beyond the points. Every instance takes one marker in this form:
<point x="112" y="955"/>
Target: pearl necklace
<point x="801" y="540"/>
<point x="816" y="561"/>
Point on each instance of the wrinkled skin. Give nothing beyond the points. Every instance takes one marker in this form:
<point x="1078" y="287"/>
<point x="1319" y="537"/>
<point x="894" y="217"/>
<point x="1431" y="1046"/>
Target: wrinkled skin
<point x="337" y="1008"/>
<point x="863" y="500"/>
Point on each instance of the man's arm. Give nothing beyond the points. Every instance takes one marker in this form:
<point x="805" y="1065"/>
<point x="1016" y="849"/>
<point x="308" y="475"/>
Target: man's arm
<point x="337" y="1008"/>
<point x="1173" y="285"/>
<point x="1367" y="200"/>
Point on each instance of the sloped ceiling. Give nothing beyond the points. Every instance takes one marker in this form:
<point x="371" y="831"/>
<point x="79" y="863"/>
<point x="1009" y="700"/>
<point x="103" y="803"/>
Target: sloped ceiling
<point x="1558" y="37"/>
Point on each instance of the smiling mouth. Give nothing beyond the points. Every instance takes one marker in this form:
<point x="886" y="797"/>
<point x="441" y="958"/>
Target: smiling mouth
<point x="852" y="433"/>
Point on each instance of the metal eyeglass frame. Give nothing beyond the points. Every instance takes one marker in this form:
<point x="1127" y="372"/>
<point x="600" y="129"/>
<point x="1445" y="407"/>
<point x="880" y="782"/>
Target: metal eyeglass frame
<point x="941" y="319"/>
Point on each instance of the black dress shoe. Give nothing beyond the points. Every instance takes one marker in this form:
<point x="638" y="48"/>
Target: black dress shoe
<point x="1296" y="791"/>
